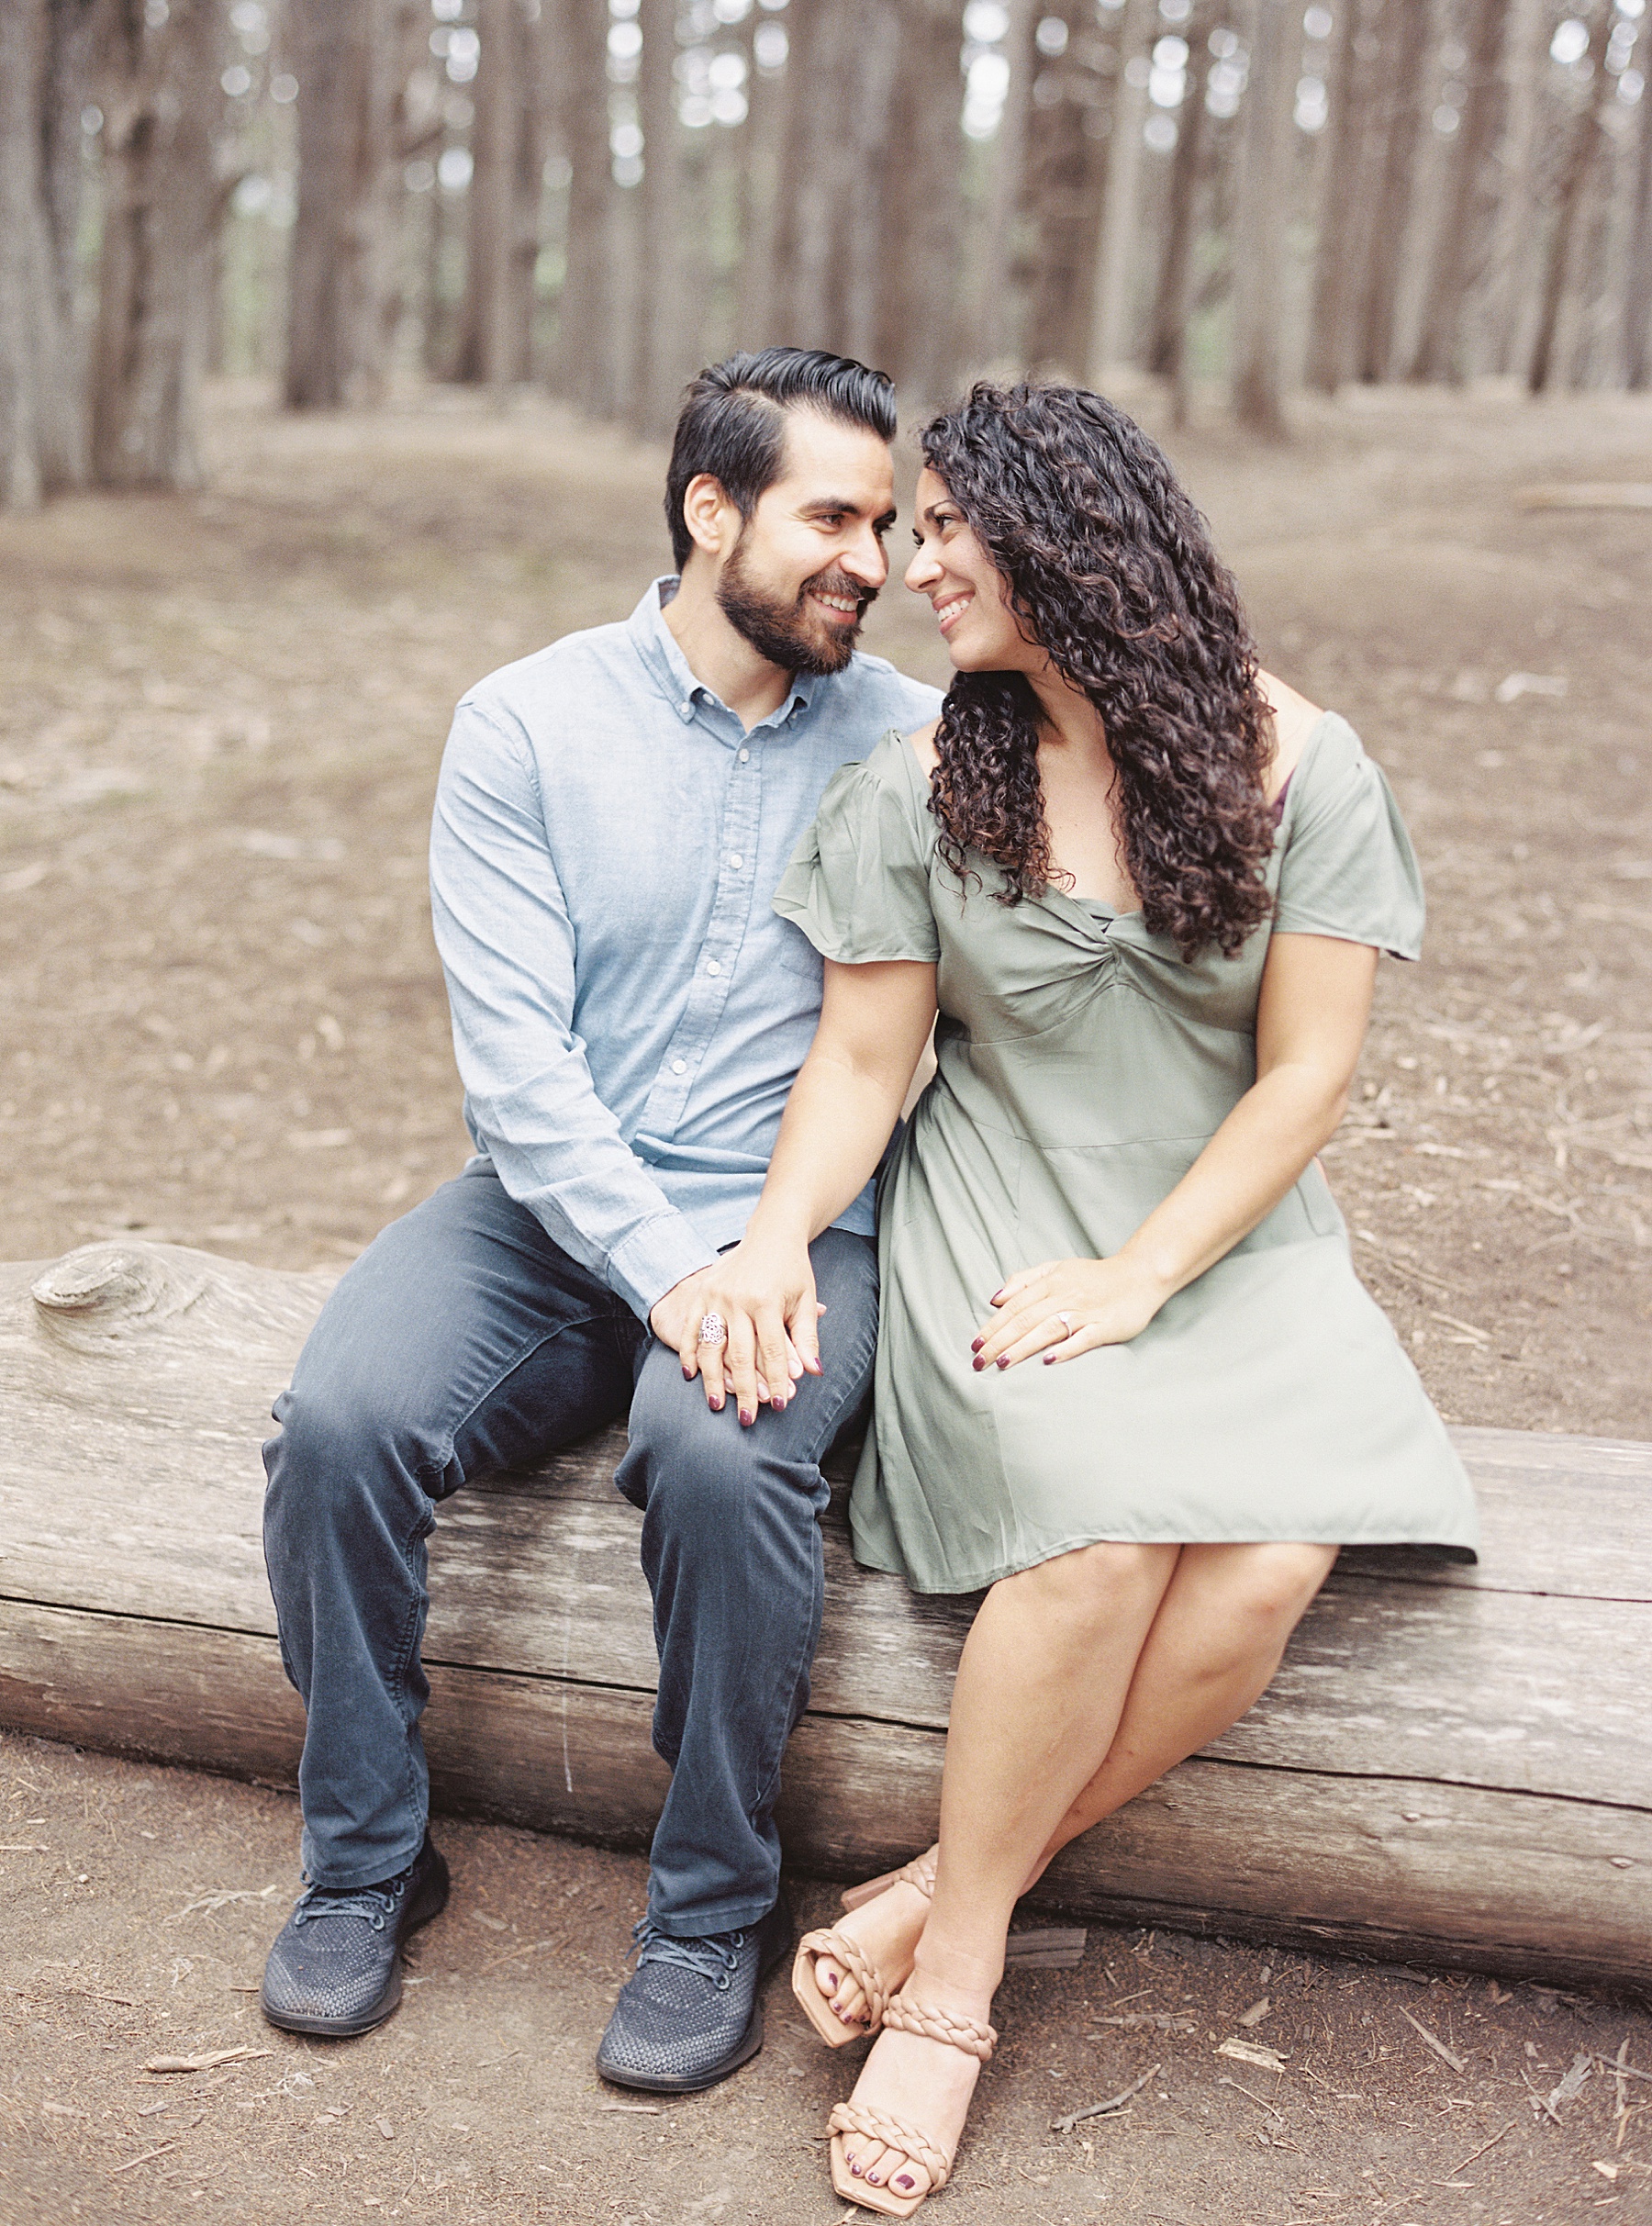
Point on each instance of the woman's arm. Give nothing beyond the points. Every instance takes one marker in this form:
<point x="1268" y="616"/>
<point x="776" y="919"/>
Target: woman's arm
<point x="1310" y="1025"/>
<point x="875" y="1025"/>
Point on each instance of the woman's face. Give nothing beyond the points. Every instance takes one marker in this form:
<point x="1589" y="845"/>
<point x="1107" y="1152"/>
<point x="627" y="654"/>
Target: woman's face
<point x="970" y="597"/>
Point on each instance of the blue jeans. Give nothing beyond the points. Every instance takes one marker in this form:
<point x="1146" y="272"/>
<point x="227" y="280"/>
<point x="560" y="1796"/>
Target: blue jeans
<point x="462" y="1341"/>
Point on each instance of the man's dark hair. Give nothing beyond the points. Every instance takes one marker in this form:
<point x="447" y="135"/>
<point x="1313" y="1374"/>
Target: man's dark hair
<point x="733" y="422"/>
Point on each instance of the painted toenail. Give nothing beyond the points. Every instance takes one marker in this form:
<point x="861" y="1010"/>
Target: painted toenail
<point x="905" y="2181"/>
<point x="856" y="2170"/>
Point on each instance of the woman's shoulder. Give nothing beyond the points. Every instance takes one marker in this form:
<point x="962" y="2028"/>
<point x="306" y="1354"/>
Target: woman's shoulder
<point x="1296" y="723"/>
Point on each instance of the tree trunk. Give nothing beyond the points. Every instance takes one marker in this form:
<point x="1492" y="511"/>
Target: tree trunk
<point x="1343" y="208"/>
<point x="999" y="304"/>
<point x="1073" y="105"/>
<point x="508" y="148"/>
<point x="881" y="254"/>
<point x="162" y="203"/>
<point x="660" y="352"/>
<point x="767" y="128"/>
<point x="1265" y="180"/>
<point x="1352" y="1808"/>
<point x="1582" y="154"/>
<point x="343" y="271"/>
<point x="584" y="361"/>
<point x="1111" y="301"/>
<point x="919" y="335"/>
<point x="1515" y="162"/>
<point x="1637" y="286"/>
<point x="42" y="389"/>
<point x="1439" y="354"/>
<point x="1405" y="49"/>
<point x="1167" y="347"/>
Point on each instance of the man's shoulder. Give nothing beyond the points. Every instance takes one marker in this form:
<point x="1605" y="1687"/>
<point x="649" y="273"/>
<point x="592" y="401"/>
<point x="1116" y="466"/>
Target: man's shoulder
<point x="528" y="686"/>
<point x="869" y="684"/>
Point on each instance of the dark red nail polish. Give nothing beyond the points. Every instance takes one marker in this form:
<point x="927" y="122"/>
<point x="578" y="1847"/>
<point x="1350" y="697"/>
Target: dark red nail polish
<point x="997" y="1295"/>
<point x="977" y="1365"/>
<point x="1002" y="1360"/>
<point x="747" y="1419"/>
<point x="976" y="1344"/>
<point x="905" y="2182"/>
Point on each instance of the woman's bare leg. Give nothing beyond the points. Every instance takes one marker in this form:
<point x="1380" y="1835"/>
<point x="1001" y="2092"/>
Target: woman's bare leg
<point x="1041" y="1689"/>
<point x="1212" y="1651"/>
<point x="1217" y="1630"/>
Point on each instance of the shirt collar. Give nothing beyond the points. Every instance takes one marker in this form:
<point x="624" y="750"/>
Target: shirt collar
<point x="660" y="651"/>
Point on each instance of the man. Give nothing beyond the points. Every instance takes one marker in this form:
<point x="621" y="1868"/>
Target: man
<point x="629" y="1013"/>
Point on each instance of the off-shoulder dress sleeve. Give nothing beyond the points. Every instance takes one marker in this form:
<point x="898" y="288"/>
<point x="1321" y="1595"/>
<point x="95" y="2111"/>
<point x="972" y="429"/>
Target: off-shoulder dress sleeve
<point x="1346" y="867"/>
<point x="858" y="884"/>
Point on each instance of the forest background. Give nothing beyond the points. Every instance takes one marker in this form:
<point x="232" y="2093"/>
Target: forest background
<point x="595" y="196"/>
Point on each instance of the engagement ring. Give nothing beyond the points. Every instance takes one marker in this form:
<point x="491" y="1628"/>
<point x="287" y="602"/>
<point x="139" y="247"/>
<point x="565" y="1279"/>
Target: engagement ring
<point x="713" y="1330"/>
<point x="1067" y="1323"/>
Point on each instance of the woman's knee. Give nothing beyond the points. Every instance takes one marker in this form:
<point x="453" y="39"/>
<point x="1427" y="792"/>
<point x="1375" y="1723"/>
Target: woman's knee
<point x="1251" y="1597"/>
<point x="1099" y="1583"/>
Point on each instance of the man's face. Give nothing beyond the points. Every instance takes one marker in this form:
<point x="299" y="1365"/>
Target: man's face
<point x="810" y="558"/>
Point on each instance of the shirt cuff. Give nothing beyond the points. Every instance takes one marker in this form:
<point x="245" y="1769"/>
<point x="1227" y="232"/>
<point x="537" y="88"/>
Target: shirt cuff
<point x="655" y="1258"/>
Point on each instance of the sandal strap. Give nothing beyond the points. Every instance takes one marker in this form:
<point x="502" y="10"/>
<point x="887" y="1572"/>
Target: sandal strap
<point x="919" y="1872"/>
<point x="906" y="2015"/>
<point x="895" y="2134"/>
<point x="841" y="1949"/>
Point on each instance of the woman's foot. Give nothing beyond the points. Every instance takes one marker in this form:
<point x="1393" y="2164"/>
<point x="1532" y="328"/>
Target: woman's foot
<point x="887" y="1930"/>
<point x="923" y="2082"/>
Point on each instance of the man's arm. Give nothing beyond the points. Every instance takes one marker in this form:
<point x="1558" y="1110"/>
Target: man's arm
<point x="507" y="948"/>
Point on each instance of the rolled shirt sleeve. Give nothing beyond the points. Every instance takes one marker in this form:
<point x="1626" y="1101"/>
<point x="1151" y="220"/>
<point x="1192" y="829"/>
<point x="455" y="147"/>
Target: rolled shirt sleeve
<point x="506" y="946"/>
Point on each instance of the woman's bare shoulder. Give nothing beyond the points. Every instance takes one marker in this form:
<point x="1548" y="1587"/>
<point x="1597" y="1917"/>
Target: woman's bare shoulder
<point x="922" y="746"/>
<point x="1294" y="720"/>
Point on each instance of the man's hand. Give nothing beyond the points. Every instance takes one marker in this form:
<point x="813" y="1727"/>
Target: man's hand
<point x="765" y="1294"/>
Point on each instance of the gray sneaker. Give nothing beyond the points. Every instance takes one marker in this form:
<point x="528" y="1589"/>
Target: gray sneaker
<point x="335" y="1969"/>
<point x="689" y="2015"/>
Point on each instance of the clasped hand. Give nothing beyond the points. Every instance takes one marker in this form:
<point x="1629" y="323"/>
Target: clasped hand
<point x="1067" y="1307"/>
<point x="765" y="1294"/>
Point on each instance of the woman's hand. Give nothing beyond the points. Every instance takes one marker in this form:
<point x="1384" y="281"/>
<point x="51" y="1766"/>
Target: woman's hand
<point x="764" y="1291"/>
<point x="1069" y="1306"/>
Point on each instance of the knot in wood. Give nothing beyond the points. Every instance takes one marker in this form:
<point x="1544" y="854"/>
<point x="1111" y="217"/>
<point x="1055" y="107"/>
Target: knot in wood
<point x="104" y="1292"/>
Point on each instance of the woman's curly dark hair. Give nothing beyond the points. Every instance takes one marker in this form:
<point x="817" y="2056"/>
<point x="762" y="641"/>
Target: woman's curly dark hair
<point x="1110" y="570"/>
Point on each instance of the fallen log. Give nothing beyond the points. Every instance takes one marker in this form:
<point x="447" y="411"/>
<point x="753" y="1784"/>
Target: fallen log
<point x="1453" y="1764"/>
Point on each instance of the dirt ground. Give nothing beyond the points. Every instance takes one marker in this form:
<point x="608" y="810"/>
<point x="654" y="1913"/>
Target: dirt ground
<point x="222" y="1022"/>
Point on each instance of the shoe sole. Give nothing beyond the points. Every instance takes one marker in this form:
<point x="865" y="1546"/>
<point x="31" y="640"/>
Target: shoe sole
<point x="389" y="2001"/>
<point x="750" y="2042"/>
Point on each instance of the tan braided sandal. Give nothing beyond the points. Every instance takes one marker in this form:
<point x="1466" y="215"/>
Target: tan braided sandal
<point x="919" y="1872"/>
<point x="877" y="1987"/>
<point x="904" y="2014"/>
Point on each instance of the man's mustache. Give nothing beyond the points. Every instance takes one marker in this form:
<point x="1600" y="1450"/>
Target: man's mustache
<point x="838" y="582"/>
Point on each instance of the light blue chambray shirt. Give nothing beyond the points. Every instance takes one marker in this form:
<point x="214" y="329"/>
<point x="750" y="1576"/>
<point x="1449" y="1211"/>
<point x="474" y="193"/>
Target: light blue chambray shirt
<point x="629" y="1013"/>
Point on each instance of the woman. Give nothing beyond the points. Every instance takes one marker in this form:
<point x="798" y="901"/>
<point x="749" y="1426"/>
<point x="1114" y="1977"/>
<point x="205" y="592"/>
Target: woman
<point x="1126" y="1376"/>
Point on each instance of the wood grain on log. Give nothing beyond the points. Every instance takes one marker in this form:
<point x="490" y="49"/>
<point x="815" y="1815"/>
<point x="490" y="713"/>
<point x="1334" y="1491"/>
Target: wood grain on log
<point x="1454" y="1763"/>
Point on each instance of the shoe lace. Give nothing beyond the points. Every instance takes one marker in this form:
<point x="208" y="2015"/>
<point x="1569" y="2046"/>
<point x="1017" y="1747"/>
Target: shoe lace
<point x="714" y="1956"/>
<point x="377" y="1903"/>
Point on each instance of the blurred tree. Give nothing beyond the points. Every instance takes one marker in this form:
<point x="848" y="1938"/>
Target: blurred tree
<point x="584" y="363"/>
<point x="1111" y="294"/>
<point x="163" y="201"/>
<point x="1000" y="304"/>
<point x="508" y="150"/>
<point x="351" y="61"/>
<point x="1403" y="33"/>
<point x="1637" y="288"/>
<point x="1345" y="209"/>
<point x="1580" y="155"/>
<point x="662" y="314"/>
<point x="1173" y="295"/>
<point x="1266" y="168"/>
<point x="1073" y="94"/>
<point x="44" y="57"/>
<point x="911" y="252"/>
<point x="1465" y="203"/>
<point x="1516" y="164"/>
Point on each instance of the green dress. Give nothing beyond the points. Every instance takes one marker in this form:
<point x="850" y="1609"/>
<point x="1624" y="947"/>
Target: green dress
<point x="1082" y="1066"/>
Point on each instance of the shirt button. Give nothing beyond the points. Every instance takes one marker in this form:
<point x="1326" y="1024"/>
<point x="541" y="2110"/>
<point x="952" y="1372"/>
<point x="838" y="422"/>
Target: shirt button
<point x="712" y="967"/>
<point x="743" y="756"/>
<point x="735" y="860"/>
<point x="679" y="1066"/>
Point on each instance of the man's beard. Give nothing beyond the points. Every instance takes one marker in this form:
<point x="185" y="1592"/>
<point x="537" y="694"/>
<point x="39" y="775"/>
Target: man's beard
<point x="790" y="634"/>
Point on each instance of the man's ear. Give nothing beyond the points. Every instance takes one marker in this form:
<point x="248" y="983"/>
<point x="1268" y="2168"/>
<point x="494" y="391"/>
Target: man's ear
<point x="712" y="520"/>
